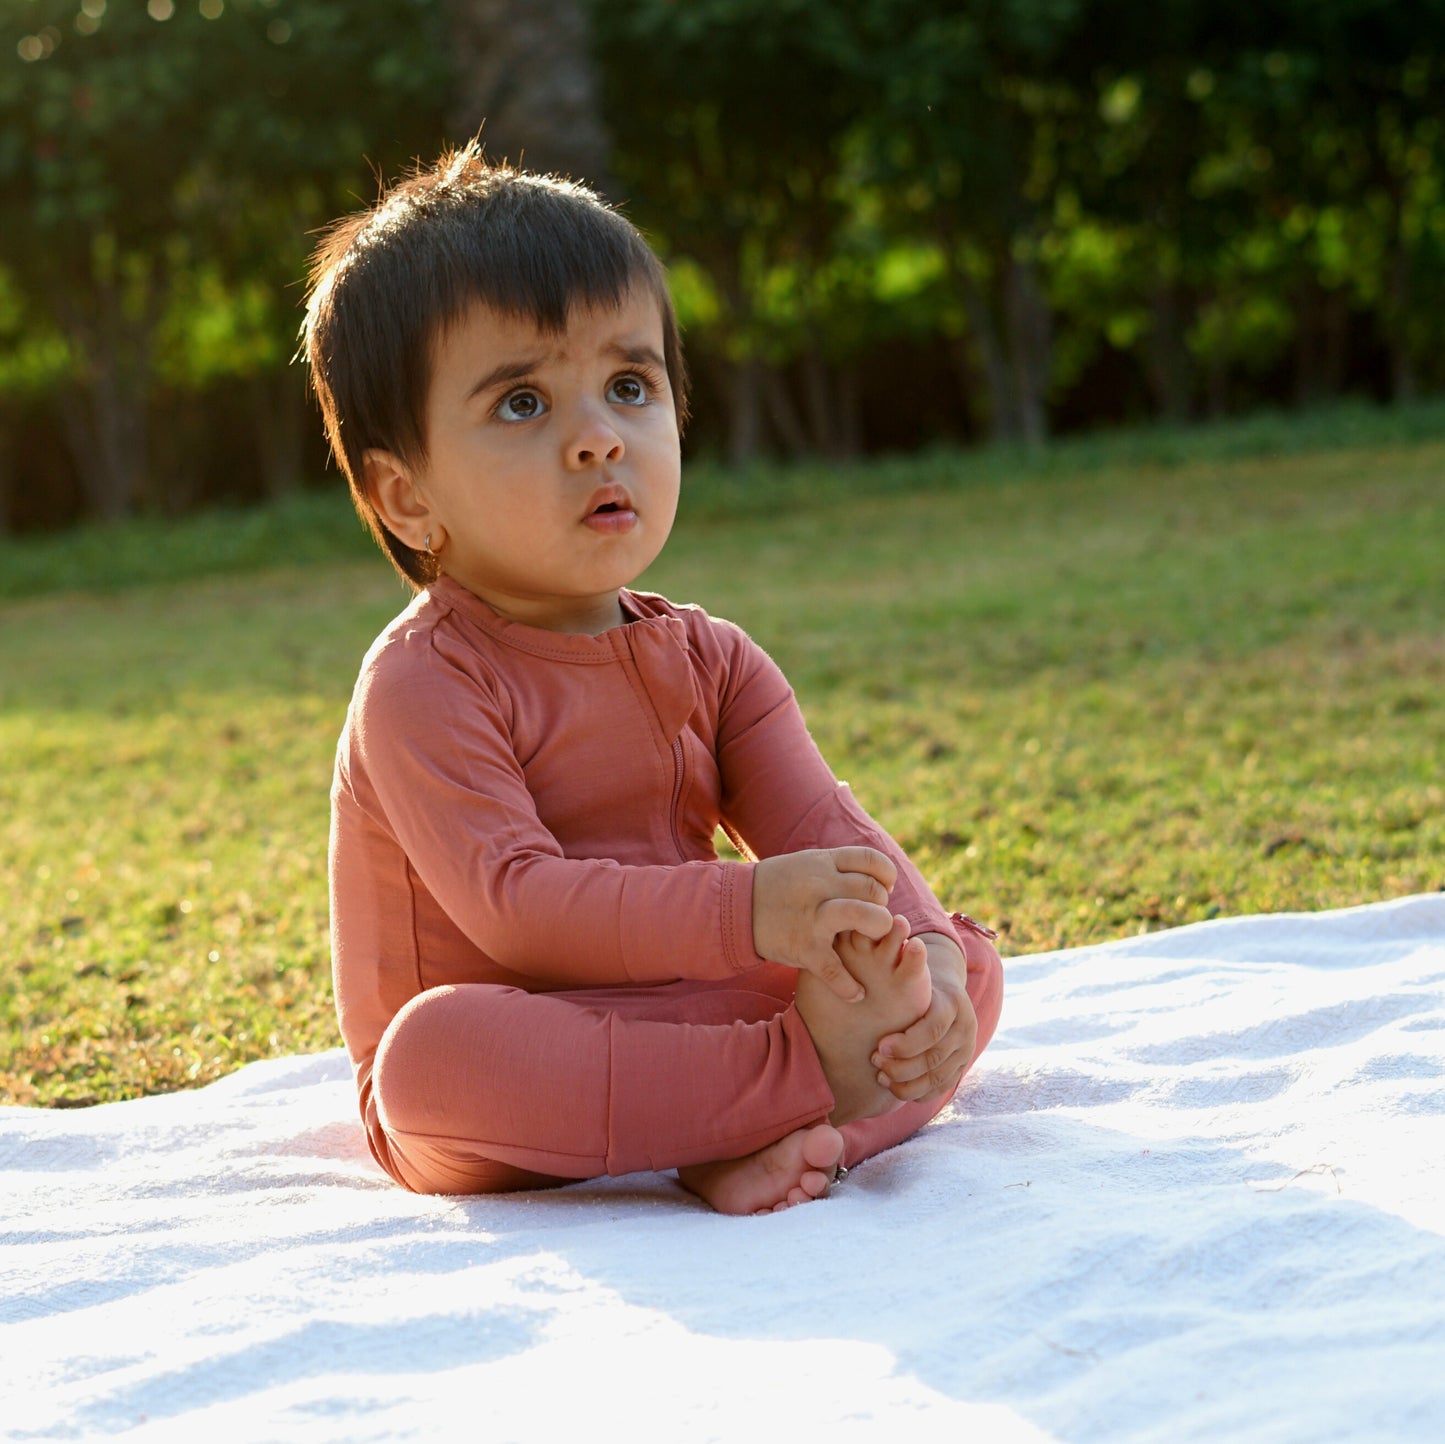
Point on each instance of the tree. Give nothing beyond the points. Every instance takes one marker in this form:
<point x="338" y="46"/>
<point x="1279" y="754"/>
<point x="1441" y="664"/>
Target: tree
<point x="733" y="121"/>
<point x="524" y="76"/>
<point x="968" y="105"/>
<point x="1268" y="170"/>
<point x="141" y="146"/>
<point x="1374" y="94"/>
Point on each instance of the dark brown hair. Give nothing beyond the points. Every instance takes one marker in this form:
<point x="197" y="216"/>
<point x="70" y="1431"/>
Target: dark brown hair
<point x="386" y="282"/>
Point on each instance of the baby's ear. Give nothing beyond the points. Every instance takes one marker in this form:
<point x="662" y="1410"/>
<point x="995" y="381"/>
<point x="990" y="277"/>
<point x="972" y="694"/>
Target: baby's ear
<point x="389" y="485"/>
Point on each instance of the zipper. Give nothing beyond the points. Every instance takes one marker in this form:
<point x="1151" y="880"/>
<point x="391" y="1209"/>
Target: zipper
<point x="962" y="920"/>
<point x="679" y="764"/>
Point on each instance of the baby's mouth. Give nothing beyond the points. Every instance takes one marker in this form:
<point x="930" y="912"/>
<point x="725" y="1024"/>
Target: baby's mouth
<point x="612" y="512"/>
<point x="607" y="501"/>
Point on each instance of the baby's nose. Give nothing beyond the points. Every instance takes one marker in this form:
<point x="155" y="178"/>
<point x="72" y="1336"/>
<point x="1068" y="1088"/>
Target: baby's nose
<point x="594" y="439"/>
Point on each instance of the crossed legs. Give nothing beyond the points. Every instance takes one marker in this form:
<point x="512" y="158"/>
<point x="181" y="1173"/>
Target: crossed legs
<point x="482" y="1088"/>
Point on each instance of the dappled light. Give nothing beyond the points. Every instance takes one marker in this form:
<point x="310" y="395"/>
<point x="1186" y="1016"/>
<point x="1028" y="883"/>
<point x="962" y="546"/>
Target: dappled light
<point x="1047" y="219"/>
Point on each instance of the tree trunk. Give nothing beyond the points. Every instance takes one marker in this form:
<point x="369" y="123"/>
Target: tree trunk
<point x="787" y="423"/>
<point x="1030" y="345"/>
<point x="103" y="417"/>
<point x="1322" y="320"/>
<point x="1404" y="383"/>
<point x="106" y="432"/>
<point x="745" y="413"/>
<point x="1217" y="385"/>
<point x="1013" y="333"/>
<point x="1167" y="363"/>
<point x="525" y="77"/>
<point x="817" y="402"/>
<point x="7" y="474"/>
<point x="850" y="413"/>
<point x="278" y="405"/>
<point x="1308" y="386"/>
<point x="1004" y="423"/>
<point x="830" y="399"/>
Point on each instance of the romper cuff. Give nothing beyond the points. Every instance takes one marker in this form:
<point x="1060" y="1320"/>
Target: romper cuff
<point x="737" y="917"/>
<point x="922" y="921"/>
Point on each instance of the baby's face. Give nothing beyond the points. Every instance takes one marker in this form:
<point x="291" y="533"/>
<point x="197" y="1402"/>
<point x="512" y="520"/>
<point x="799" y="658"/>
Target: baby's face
<point x="553" y="461"/>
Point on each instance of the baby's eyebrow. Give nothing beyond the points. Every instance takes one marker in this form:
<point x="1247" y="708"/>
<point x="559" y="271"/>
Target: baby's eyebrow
<point x="515" y="370"/>
<point x="637" y="355"/>
<point x="505" y="371"/>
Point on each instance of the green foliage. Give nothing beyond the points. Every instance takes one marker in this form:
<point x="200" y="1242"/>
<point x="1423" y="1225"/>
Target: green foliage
<point x="303" y="529"/>
<point x="167" y="131"/>
<point x="1216" y="193"/>
<point x="160" y="167"/>
<point x="34" y="358"/>
<point x="1048" y="210"/>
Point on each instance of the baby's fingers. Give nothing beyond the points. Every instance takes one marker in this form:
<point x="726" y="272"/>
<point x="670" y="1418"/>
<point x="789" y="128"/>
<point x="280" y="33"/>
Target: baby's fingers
<point x="915" y="1042"/>
<point x="853" y="915"/>
<point x="930" y="1057"/>
<point x="828" y="967"/>
<point x="929" y="1084"/>
<point x="866" y="860"/>
<point x="932" y="1073"/>
<point x="861" y="886"/>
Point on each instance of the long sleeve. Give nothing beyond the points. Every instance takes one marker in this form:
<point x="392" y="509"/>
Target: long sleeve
<point x="434" y="763"/>
<point x="779" y="794"/>
<point x="535" y="810"/>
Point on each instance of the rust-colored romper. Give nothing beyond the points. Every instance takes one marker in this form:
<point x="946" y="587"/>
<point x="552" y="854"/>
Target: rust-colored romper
<point x="543" y="971"/>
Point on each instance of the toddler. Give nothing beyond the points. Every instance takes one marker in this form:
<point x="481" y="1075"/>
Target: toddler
<point x="543" y="970"/>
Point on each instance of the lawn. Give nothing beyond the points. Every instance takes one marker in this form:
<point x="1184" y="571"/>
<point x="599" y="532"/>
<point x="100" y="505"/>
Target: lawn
<point x="1124" y="687"/>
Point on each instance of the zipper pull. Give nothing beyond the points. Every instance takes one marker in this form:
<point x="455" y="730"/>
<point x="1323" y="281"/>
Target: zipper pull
<point x="962" y="920"/>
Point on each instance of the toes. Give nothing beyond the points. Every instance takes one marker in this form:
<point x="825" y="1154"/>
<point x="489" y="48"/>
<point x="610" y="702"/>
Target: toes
<point x="823" y="1148"/>
<point x="899" y="940"/>
<point x="815" y="1185"/>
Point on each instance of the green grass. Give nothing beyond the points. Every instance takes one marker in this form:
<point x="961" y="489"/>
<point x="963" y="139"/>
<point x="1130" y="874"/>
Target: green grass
<point x="319" y="526"/>
<point x="1169" y="679"/>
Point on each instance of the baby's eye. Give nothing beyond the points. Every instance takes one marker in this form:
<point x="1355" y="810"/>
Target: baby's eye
<point x="520" y="405"/>
<point x="629" y="391"/>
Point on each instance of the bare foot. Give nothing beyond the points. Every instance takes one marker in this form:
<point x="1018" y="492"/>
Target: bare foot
<point x="894" y="972"/>
<point x="796" y="1169"/>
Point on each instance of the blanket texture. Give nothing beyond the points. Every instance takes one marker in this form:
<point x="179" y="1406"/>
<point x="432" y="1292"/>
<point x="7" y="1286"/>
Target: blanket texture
<point x="1193" y="1191"/>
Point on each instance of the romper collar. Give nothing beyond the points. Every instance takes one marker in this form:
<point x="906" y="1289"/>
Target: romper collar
<point x="655" y="640"/>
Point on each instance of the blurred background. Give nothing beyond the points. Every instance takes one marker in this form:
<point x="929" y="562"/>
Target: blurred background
<point x="889" y="223"/>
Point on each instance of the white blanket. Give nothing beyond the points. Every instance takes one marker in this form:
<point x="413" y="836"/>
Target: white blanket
<point x="1194" y="1190"/>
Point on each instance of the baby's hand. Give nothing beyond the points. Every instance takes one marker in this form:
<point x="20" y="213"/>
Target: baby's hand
<point x="929" y="1058"/>
<point x="862" y="955"/>
<point x="803" y="900"/>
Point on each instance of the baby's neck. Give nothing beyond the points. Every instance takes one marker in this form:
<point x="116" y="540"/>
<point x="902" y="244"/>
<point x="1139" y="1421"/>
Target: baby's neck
<point x="587" y="616"/>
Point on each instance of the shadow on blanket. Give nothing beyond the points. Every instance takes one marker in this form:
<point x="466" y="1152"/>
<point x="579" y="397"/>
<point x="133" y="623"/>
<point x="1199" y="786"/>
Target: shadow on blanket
<point x="1188" y="1201"/>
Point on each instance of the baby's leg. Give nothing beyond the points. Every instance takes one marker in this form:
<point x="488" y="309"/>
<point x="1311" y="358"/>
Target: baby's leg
<point x="800" y="1167"/>
<point x="894" y="973"/>
<point x="479" y="1088"/>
